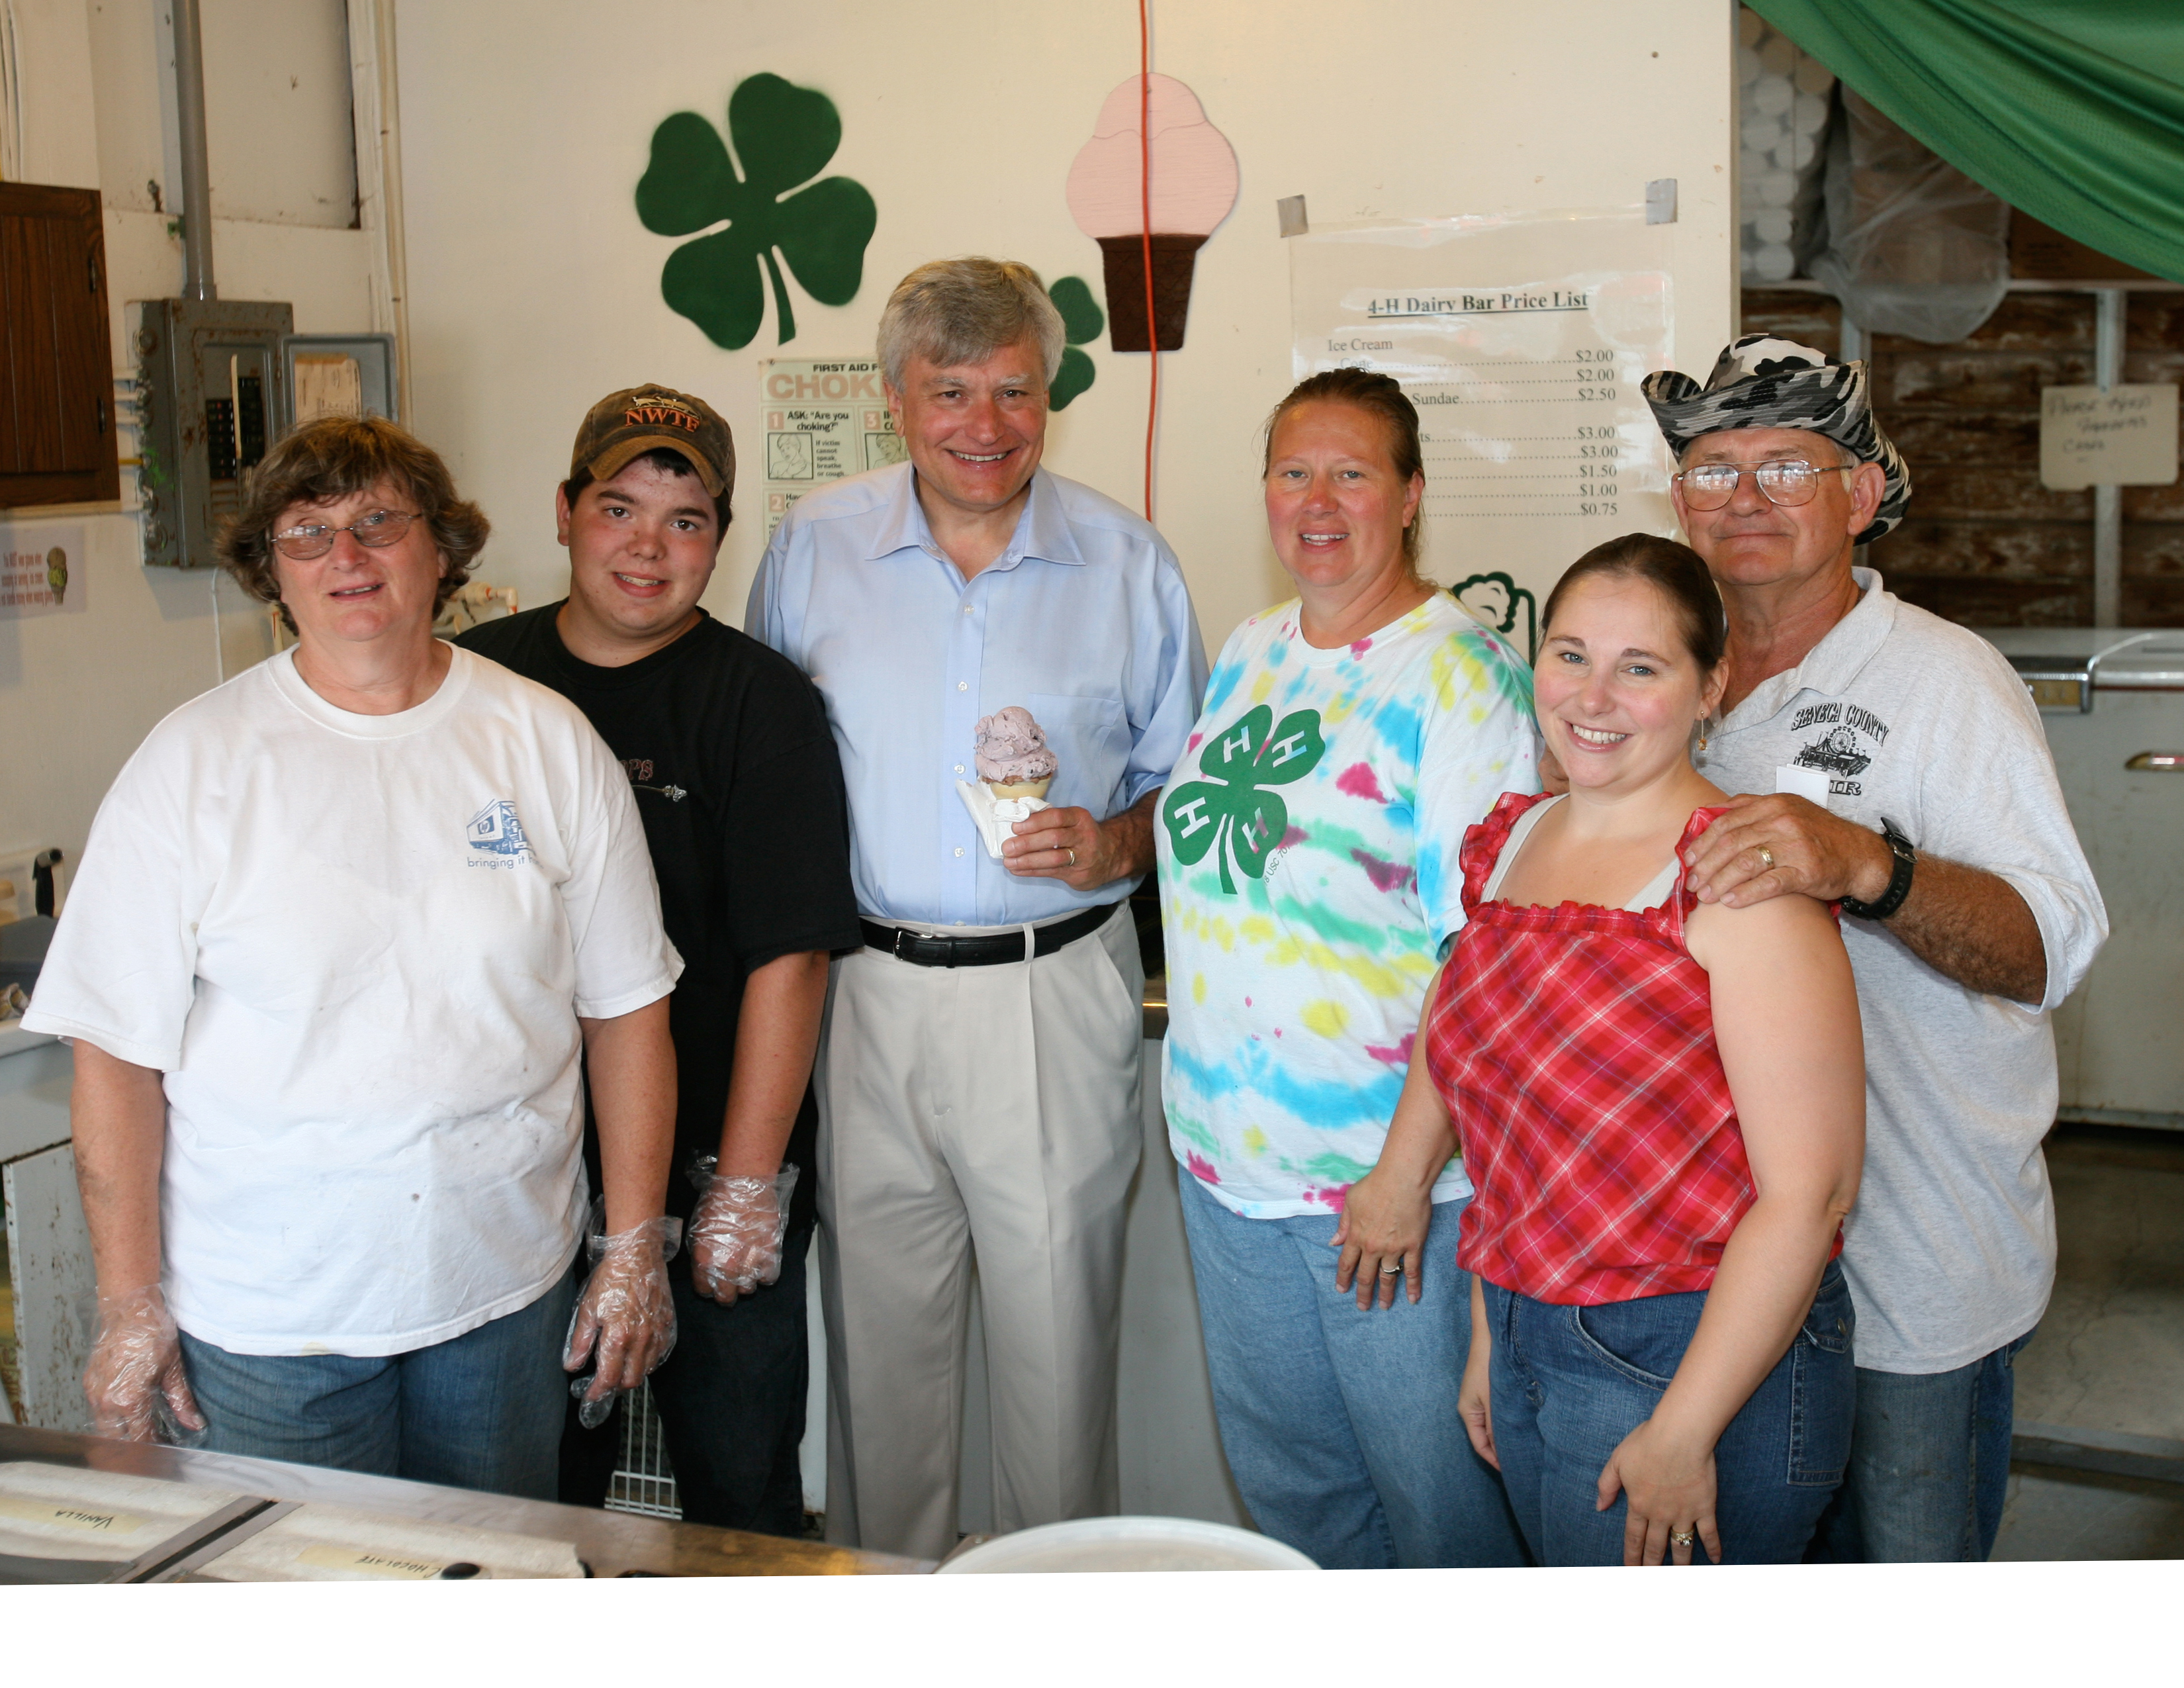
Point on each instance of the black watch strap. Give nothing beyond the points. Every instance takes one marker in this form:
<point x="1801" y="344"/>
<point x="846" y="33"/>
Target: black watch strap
<point x="1899" y="881"/>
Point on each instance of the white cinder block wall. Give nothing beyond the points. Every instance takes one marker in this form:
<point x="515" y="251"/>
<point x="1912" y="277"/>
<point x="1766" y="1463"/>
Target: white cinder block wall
<point x="533" y="288"/>
<point x="535" y="291"/>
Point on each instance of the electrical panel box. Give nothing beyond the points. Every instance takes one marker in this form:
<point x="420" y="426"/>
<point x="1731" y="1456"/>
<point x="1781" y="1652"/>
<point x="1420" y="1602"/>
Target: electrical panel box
<point x="212" y="394"/>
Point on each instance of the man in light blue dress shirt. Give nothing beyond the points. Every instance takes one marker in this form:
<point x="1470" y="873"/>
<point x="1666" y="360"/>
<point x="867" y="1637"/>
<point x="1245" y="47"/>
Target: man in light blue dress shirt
<point x="978" y="1075"/>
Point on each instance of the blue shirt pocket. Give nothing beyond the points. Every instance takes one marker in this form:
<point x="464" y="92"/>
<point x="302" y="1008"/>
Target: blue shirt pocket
<point x="1090" y="739"/>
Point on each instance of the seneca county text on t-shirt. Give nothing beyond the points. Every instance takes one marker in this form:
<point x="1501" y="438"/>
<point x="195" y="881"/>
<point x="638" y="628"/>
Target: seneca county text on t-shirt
<point x="1308" y="849"/>
<point x="356" y="947"/>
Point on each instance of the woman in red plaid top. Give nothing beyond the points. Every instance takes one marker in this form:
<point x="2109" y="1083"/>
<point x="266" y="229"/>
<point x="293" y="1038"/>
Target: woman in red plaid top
<point x="1662" y="1105"/>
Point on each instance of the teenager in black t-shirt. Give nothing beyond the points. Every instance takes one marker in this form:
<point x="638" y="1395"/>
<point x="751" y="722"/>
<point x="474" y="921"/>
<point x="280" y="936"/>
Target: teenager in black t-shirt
<point x="736" y="775"/>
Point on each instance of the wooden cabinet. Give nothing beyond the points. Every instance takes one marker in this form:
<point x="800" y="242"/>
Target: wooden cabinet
<point x="57" y="422"/>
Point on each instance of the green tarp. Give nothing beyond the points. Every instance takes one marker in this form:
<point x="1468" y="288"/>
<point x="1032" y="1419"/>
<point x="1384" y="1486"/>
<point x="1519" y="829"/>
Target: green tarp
<point x="2072" y="110"/>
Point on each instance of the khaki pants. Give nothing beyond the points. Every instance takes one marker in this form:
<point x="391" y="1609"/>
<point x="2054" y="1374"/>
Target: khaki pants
<point x="990" y="1110"/>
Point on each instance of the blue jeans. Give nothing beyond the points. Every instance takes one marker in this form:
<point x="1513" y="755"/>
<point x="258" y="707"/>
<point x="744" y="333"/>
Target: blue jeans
<point x="1929" y="1465"/>
<point x="1570" y="1383"/>
<point x="1341" y="1427"/>
<point x="480" y="1411"/>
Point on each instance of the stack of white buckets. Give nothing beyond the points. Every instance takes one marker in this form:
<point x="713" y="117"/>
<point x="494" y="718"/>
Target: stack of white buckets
<point x="1783" y="103"/>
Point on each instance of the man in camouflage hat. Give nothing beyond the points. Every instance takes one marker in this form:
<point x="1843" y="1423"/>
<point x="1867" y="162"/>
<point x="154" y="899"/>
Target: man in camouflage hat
<point x="1894" y="763"/>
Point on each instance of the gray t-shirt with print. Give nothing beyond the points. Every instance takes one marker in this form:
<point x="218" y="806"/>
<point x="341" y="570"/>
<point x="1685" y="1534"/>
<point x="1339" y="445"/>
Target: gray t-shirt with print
<point x="1951" y="1248"/>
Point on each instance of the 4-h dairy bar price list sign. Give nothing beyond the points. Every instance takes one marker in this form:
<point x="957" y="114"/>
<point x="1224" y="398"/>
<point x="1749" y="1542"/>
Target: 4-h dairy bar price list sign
<point x="1538" y="442"/>
<point x="824" y="418"/>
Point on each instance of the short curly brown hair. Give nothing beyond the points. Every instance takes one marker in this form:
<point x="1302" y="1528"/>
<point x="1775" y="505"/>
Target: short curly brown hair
<point x="336" y="457"/>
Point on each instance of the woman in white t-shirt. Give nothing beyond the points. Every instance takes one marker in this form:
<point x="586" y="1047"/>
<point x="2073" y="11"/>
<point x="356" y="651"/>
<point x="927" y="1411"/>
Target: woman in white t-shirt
<point x="1308" y="876"/>
<point x="346" y="929"/>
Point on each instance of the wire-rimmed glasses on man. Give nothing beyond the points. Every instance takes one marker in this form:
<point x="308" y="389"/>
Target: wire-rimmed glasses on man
<point x="1787" y="481"/>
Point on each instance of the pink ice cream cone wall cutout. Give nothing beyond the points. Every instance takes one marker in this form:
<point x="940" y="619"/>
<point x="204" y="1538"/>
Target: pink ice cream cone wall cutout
<point x="1194" y="186"/>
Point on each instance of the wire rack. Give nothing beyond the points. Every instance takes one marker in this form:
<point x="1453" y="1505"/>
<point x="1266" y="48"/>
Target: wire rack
<point x="643" y="1480"/>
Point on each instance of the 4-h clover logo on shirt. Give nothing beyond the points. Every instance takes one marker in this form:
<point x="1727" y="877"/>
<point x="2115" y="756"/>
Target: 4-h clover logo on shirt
<point x="1231" y="809"/>
<point x="784" y="135"/>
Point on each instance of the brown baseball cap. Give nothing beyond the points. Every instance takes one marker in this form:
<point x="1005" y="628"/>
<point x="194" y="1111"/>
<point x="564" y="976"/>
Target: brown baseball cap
<point x="626" y="425"/>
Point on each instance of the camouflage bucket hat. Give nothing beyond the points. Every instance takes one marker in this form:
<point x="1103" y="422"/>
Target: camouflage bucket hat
<point x="1764" y="382"/>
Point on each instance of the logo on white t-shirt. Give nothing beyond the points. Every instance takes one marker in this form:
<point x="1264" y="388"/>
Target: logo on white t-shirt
<point x="1230" y="809"/>
<point x="496" y="836"/>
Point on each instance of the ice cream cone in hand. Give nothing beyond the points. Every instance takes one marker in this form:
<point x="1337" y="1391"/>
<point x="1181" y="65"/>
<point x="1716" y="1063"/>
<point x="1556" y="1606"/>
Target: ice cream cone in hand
<point x="1013" y="756"/>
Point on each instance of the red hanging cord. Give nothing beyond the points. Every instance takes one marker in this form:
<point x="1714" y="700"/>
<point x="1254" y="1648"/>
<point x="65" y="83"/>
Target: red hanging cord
<point x="1145" y="194"/>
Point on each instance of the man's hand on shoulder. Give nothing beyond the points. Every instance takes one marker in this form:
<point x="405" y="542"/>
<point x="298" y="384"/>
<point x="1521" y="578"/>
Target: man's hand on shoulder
<point x="1969" y="925"/>
<point x="1084" y="854"/>
<point x="1774" y="846"/>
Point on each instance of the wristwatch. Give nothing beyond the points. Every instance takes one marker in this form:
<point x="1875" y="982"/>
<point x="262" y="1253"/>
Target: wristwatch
<point x="1899" y="881"/>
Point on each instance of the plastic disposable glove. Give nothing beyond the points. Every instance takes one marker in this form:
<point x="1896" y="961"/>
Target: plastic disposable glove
<point x="135" y="1382"/>
<point x="625" y="1316"/>
<point x="736" y="1233"/>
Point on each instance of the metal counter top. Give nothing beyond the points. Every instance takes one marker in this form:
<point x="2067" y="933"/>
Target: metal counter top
<point x="611" y="1544"/>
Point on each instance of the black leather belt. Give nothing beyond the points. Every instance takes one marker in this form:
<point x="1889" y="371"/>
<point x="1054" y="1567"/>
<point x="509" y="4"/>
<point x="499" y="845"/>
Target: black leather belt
<point x="986" y="951"/>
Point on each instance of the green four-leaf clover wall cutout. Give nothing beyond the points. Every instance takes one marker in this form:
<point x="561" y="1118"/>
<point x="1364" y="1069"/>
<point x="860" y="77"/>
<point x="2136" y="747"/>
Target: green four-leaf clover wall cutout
<point x="1082" y="320"/>
<point x="783" y="137"/>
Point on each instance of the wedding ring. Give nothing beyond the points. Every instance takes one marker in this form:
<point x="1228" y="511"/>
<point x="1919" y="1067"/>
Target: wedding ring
<point x="1682" y="1538"/>
<point x="1766" y="858"/>
<point x="1072" y="856"/>
<point x="1392" y="1271"/>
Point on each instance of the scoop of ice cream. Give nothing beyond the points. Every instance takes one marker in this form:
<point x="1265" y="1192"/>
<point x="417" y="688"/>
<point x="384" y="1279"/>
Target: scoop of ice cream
<point x="1011" y="749"/>
<point x="1193" y="168"/>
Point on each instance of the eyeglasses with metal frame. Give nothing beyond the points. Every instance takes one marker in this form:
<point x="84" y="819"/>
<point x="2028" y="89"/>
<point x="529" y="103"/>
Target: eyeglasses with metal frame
<point x="1787" y="481"/>
<point x="374" y="530"/>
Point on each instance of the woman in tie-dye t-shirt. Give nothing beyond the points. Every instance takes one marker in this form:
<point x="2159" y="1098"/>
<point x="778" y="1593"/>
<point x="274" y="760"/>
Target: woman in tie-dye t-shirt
<point x="1308" y="874"/>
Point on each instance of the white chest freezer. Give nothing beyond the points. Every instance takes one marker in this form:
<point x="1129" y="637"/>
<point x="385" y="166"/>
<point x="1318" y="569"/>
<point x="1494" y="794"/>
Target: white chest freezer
<point x="2112" y="700"/>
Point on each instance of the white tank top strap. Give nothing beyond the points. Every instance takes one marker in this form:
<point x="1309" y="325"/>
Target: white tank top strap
<point x="1657" y="888"/>
<point x="1653" y="896"/>
<point x="1512" y="845"/>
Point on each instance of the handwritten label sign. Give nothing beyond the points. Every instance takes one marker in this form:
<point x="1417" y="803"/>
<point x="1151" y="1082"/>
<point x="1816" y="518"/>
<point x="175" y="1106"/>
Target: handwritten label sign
<point x="361" y="1562"/>
<point x="2125" y="437"/>
<point x="59" y="1514"/>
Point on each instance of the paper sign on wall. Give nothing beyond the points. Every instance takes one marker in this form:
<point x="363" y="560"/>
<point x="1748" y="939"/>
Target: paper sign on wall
<point x="824" y="418"/>
<point x="41" y="570"/>
<point x="2124" y="437"/>
<point x="1522" y="341"/>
